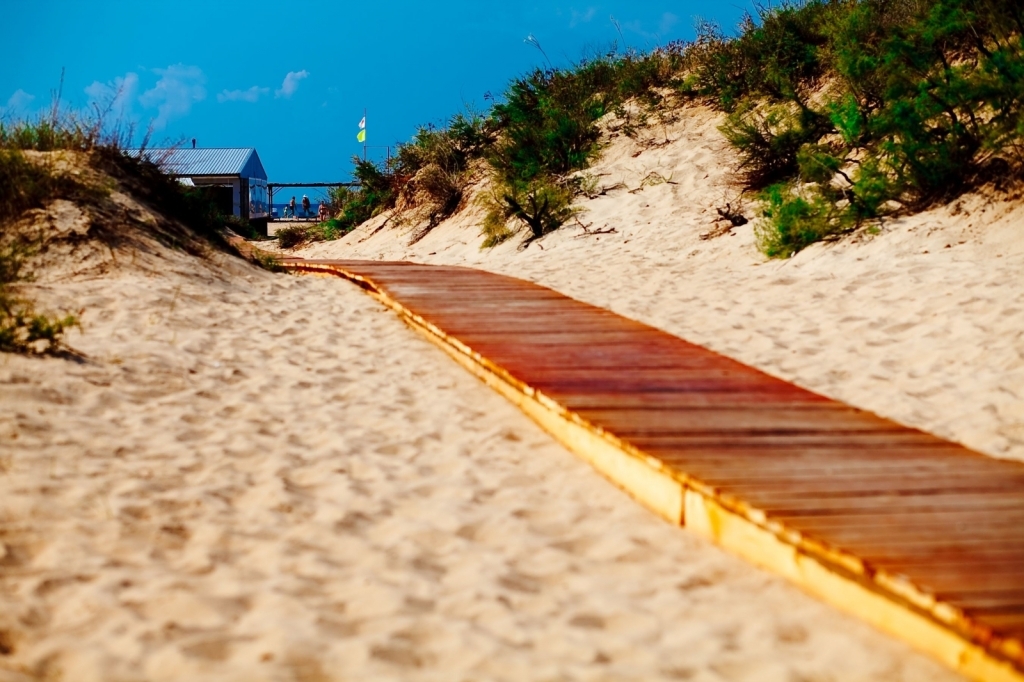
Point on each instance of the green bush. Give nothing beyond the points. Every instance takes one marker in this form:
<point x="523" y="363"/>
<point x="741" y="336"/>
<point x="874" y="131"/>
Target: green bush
<point x="292" y="236"/>
<point x="297" y="235"/>
<point x="548" y="125"/>
<point x="25" y="184"/>
<point x="778" y="56"/>
<point x="541" y="204"/>
<point x="377" y="192"/>
<point x="495" y="227"/>
<point x="53" y="132"/>
<point x="437" y="161"/>
<point x="793" y="220"/>
<point x="913" y="101"/>
<point x="451" y="147"/>
<point x="769" y="138"/>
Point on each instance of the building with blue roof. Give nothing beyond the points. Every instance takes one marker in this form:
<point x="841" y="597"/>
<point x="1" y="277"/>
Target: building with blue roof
<point x="233" y="177"/>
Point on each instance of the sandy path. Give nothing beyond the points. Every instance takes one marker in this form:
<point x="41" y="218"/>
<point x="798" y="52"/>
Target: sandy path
<point x="272" y="478"/>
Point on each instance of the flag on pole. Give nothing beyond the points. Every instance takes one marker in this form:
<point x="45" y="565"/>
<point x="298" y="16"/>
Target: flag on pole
<point x="361" y="136"/>
<point x="362" y="123"/>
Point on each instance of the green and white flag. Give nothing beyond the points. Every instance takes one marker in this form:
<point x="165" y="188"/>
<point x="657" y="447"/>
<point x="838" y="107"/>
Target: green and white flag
<point x="362" y="130"/>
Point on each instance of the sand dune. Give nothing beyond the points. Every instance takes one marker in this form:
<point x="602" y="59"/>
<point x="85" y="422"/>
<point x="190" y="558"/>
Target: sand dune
<point x="267" y="477"/>
<point x="921" y="322"/>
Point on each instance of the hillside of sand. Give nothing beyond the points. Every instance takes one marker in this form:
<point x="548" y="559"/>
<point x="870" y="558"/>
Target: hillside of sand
<point x="242" y="475"/>
<point x="919" y="319"/>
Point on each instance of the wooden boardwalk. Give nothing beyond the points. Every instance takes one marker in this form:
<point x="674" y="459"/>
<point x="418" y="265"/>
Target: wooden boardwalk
<point x="919" y="536"/>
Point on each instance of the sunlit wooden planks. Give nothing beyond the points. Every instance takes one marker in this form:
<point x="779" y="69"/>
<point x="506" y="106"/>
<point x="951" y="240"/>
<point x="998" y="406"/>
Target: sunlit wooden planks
<point x="919" y="536"/>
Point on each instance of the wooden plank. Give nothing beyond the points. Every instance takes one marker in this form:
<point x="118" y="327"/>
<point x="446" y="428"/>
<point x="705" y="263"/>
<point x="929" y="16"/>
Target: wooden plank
<point x="669" y="447"/>
<point x="746" y="418"/>
<point x="917" y="535"/>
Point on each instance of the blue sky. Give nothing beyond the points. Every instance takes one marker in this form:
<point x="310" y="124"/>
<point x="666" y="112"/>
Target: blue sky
<point x="292" y="79"/>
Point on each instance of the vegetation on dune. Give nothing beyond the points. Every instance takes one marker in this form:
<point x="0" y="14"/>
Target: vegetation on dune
<point x="26" y="184"/>
<point x="546" y="133"/>
<point x="61" y="156"/>
<point x="22" y="329"/>
<point x="299" y="234"/>
<point x="435" y="167"/>
<point x="350" y="206"/>
<point x="841" y="111"/>
<point x="850" y="110"/>
<point x="533" y="143"/>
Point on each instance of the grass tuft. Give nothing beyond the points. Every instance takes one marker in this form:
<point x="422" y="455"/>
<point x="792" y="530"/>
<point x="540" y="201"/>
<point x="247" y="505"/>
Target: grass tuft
<point x="296" y="235"/>
<point x="22" y="329"/>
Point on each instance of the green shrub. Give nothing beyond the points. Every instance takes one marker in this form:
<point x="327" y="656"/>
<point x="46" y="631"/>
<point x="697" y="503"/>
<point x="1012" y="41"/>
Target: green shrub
<point x="769" y="139"/>
<point x="792" y="220"/>
<point x="22" y="330"/>
<point x="376" y="186"/>
<point x="292" y="236"/>
<point x="25" y="184"/>
<point x="444" y="187"/>
<point x="548" y="125"/>
<point x="913" y="101"/>
<point x="296" y="235"/>
<point x="541" y="204"/>
<point x="377" y="192"/>
<point x="451" y="147"/>
<point x="495" y="227"/>
<point x="779" y="55"/>
<point x="51" y="133"/>
<point x="436" y="163"/>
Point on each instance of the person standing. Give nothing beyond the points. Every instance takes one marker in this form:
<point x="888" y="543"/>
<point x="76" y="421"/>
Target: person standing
<point x="291" y="207"/>
<point x="322" y="213"/>
<point x="305" y="206"/>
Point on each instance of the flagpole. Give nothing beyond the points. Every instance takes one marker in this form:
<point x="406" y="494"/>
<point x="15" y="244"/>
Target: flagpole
<point x="364" y="137"/>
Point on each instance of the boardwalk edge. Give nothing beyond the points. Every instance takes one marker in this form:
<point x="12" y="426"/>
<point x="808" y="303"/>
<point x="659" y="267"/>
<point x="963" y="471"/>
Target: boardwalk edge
<point x="763" y="548"/>
<point x="692" y="505"/>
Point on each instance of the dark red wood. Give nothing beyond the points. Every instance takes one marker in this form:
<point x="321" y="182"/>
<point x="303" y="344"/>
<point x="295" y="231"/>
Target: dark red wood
<point x="949" y="520"/>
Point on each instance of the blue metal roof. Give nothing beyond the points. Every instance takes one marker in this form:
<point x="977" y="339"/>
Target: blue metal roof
<point x="244" y="161"/>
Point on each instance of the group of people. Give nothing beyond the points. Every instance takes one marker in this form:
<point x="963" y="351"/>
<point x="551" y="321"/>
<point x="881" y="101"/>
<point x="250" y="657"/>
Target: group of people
<point x="289" y="210"/>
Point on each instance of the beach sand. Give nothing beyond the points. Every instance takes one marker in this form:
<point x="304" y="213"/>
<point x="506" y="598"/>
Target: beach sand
<point x="920" y="319"/>
<point x="267" y="477"/>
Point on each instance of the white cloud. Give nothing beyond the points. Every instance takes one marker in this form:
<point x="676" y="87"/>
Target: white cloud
<point x="291" y="83"/>
<point x="17" y="103"/>
<point x="174" y="94"/>
<point x="114" y="97"/>
<point x="251" y="95"/>
<point x="584" y="17"/>
<point x="668" y="21"/>
<point x="665" y="25"/>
